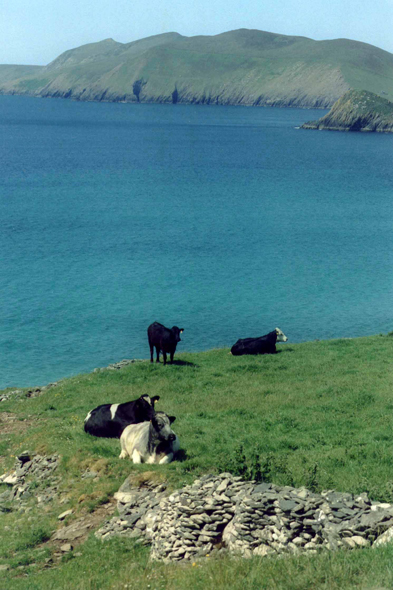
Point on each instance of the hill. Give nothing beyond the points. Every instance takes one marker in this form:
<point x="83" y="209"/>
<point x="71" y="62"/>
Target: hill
<point x="357" y="111"/>
<point x="241" y="67"/>
<point x="316" y="414"/>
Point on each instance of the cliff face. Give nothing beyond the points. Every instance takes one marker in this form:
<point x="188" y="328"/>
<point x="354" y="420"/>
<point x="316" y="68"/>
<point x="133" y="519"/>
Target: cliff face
<point x="357" y="110"/>
<point x="244" y="67"/>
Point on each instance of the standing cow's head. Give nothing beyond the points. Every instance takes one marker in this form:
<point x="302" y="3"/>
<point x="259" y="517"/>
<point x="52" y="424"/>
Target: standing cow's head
<point x="176" y="332"/>
<point x="280" y="335"/>
<point x="161" y="423"/>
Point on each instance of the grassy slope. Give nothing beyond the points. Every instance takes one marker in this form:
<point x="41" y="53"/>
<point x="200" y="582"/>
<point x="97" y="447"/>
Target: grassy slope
<point x="239" y="67"/>
<point x="9" y="73"/>
<point x="357" y="111"/>
<point x="317" y="414"/>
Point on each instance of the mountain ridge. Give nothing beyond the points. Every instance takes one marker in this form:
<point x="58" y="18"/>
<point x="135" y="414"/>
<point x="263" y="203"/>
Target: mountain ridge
<point x="241" y="67"/>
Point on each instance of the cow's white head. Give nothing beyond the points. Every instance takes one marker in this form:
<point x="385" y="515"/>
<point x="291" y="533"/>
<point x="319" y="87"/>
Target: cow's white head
<point x="280" y="336"/>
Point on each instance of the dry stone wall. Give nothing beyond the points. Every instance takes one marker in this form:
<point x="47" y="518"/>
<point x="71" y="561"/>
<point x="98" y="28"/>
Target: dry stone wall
<point x="223" y="513"/>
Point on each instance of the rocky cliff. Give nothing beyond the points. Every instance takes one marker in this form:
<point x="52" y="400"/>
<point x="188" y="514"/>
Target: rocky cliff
<point x="357" y="110"/>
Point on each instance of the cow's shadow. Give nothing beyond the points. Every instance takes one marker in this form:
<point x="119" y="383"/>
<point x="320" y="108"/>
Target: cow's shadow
<point x="181" y="456"/>
<point x="183" y="363"/>
<point x="286" y="349"/>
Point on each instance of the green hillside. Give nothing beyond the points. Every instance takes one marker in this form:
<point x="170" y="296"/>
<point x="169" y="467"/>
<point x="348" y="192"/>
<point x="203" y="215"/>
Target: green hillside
<point x="242" y="67"/>
<point x="317" y="414"/>
<point x="357" y="111"/>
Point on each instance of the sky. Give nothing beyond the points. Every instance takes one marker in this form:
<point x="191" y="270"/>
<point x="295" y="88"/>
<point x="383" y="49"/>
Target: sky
<point x="34" y="32"/>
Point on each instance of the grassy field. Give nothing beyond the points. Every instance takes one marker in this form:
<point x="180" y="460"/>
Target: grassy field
<point x="317" y="414"/>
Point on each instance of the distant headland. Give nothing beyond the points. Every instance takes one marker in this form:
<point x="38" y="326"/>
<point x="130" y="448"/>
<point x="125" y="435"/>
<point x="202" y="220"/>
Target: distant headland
<point x="357" y="110"/>
<point x="241" y="67"/>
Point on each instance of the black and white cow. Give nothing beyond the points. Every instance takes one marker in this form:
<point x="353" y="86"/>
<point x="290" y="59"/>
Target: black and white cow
<point x="109" y="420"/>
<point x="150" y="442"/>
<point x="164" y="339"/>
<point x="262" y="345"/>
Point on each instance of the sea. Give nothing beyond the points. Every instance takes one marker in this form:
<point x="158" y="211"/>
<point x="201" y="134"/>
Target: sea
<point x="224" y="221"/>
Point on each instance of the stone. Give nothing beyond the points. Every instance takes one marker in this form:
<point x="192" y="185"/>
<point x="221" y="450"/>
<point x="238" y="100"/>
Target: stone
<point x="261" y="488"/>
<point x="222" y="486"/>
<point x="64" y="515"/>
<point x="10" y="479"/>
<point x="263" y="550"/>
<point x="349" y="542"/>
<point x="298" y="541"/>
<point x="302" y="493"/>
<point x="360" y="541"/>
<point x="381" y="506"/>
<point x="386" y="537"/>
<point x="66" y="547"/>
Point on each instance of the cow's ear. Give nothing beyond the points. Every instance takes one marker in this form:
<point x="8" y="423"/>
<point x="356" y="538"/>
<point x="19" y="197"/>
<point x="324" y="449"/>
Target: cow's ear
<point x="181" y="330"/>
<point x="172" y="419"/>
<point x="154" y="400"/>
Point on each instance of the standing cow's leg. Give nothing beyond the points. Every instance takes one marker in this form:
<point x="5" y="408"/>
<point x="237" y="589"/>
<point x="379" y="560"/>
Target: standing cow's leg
<point x="158" y="354"/>
<point x="151" y="352"/>
<point x="172" y="353"/>
<point x="164" y="355"/>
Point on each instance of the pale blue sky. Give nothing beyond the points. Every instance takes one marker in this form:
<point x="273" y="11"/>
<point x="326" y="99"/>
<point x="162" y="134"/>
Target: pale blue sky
<point x="37" y="31"/>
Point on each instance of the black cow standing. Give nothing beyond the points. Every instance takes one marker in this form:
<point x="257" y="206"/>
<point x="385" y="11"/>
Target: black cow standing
<point x="164" y="339"/>
<point x="262" y="345"/>
<point x="109" y="420"/>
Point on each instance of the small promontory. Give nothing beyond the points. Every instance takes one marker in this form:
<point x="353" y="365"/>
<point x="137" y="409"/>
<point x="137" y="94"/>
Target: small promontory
<point x="357" y="110"/>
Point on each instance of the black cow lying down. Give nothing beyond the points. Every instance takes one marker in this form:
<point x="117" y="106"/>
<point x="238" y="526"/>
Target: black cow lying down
<point x="109" y="420"/>
<point x="163" y="339"/>
<point x="262" y="345"/>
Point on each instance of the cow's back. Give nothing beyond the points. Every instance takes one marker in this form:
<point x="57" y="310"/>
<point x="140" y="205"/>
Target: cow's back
<point x="155" y="333"/>
<point x="134" y="412"/>
<point x="262" y="345"/>
<point x="99" y="422"/>
<point x="109" y="420"/>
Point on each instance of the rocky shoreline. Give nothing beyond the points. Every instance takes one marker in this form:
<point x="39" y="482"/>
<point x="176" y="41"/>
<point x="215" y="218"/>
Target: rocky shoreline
<point x="40" y="390"/>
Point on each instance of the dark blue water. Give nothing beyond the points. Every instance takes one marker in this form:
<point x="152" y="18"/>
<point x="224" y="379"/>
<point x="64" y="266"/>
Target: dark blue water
<point x="226" y="221"/>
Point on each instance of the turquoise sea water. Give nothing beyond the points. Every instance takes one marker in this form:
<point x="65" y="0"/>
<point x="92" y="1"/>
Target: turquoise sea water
<point x="226" y="221"/>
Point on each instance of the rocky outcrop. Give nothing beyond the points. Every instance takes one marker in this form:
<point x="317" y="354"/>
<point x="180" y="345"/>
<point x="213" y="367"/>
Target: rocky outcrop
<point x="223" y="513"/>
<point x="25" y="393"/>
<point x="357" y="111"/>
<point x="29" y="468"/>
<point x="119" y="365"/>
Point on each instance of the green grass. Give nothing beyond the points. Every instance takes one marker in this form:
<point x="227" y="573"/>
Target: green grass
<point x="317" y="414"/>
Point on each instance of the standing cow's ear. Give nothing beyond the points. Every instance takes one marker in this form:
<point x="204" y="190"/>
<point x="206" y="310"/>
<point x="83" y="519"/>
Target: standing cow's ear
<point x="181" y="330"/>
<point x="172" y="419"/>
